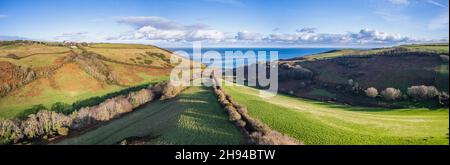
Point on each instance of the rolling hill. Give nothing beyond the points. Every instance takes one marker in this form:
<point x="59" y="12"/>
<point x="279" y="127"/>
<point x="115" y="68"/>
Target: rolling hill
<point x="34" y="73"/>
<point x="341" y="74"/>
<point x="320" y="123"/>
<point x="107" y="88"/>
<point x="193" y="118"/>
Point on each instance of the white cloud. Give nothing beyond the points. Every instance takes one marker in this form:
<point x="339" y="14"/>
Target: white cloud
<point x="2" y="16"/>
<point x="158" y="29"/>
<point x="440" y="22"/>
<point x="364" y="36"/>
<point x="399" y="2"/>
<point x="72" y="36"/>
<point x="306" y="30"/>
<point x="435" y="3"/>
<point x="141" y="21"/>
<point x="74" y="33"/>
<point x="246" y="35"/>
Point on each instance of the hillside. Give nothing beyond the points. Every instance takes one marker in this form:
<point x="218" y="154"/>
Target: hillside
<point x="37" y="73"/>
<point x="320" y="123"/>
<point x="193" y="118"/>
<point x="343" y="75"/>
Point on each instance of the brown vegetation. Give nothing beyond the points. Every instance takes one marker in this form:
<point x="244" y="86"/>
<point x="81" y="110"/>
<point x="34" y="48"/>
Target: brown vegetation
<point x="50" y="123"/>
<point x="371" y="92"/>
<point x="95" y="67"/>
<point x="257" y="132"/>
<point x="391" y="94"/>
<point x="171" y="90"/>
<point x="13" y="76"/>
<point x="423" y="92"/>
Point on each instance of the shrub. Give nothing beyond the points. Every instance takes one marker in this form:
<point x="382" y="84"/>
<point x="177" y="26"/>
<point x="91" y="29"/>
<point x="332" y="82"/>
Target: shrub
<point x="444" y="58"/>
<point x="13" y="56"/>
<point x="33" y="110"/>
<point x="371" y="92"/>
<point x="298" y="73"/>
<point x="140" y="97"/>
<point x="148" y="62"/>
<point x="443" y="98"/>
<point x="105" y="111"/>
<point x="422" y="92"/>
<point x="391" y="94"/>
<point x="350" y="82"/>
<point x="170" y="91"/>
<point x="45" y="123"/>
<point x="10" y="132"/>
<point x="63" y="108"/>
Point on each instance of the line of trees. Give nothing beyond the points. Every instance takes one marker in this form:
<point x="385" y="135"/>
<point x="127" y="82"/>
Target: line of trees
<point x="416" y="93"/>
<point x="254" y="130"/>
<point x="62" y="118"/>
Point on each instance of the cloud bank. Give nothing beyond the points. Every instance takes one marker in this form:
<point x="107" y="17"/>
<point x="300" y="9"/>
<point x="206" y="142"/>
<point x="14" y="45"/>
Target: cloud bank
<point x="152" y="28"/>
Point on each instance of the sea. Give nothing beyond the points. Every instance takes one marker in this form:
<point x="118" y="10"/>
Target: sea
<point x="283" y="53"/>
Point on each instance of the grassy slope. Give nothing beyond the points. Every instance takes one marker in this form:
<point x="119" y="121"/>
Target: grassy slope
<point x="69" y="83"/>
<point x="442" y="77"/>
<point x="441" y="48"/>
<point x="194" y="117"/>
<point x="30" y="49"/>
<point x="132" y="55"/>
<point x="36" y="61"/>
<point x="324" y="123"/>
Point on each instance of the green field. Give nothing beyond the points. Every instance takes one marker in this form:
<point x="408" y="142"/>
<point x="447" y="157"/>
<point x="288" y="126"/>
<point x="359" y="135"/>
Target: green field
<point x="442" y="77"/>
<point x="439" y="48"/>
<point x="321" y="123"/>
<point x="194" y="117"/>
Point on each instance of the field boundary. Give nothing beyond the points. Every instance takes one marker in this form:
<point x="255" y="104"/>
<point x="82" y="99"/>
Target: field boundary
<point x="256" y="132"/>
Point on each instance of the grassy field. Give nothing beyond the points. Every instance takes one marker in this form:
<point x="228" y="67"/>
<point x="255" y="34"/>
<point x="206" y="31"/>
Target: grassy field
<point x="316" y="122"/>
<point x="70" y="82"/>
<point x="42" y="60"/>
<point x="30" y="49"/>
<point x="343" y="52"/>
<point x="67" y="85"/>
<point x="194" y="117"/>
<point x="151" y="56"/>
<point x="442" y="79"/>
<point x="440" y="48"/>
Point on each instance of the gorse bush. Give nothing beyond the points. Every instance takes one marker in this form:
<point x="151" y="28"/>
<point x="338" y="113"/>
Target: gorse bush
<point x="391" y="94"/>
<point x="33" y="110"/>
<point x="63" y="108"/>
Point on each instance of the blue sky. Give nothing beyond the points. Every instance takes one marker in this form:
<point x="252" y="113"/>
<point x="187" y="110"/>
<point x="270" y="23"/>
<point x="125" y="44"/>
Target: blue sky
<point x="229" y="22"/>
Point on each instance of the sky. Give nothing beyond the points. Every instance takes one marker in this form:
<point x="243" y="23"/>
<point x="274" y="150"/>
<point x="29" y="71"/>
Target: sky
<point x="285" y="23"/>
